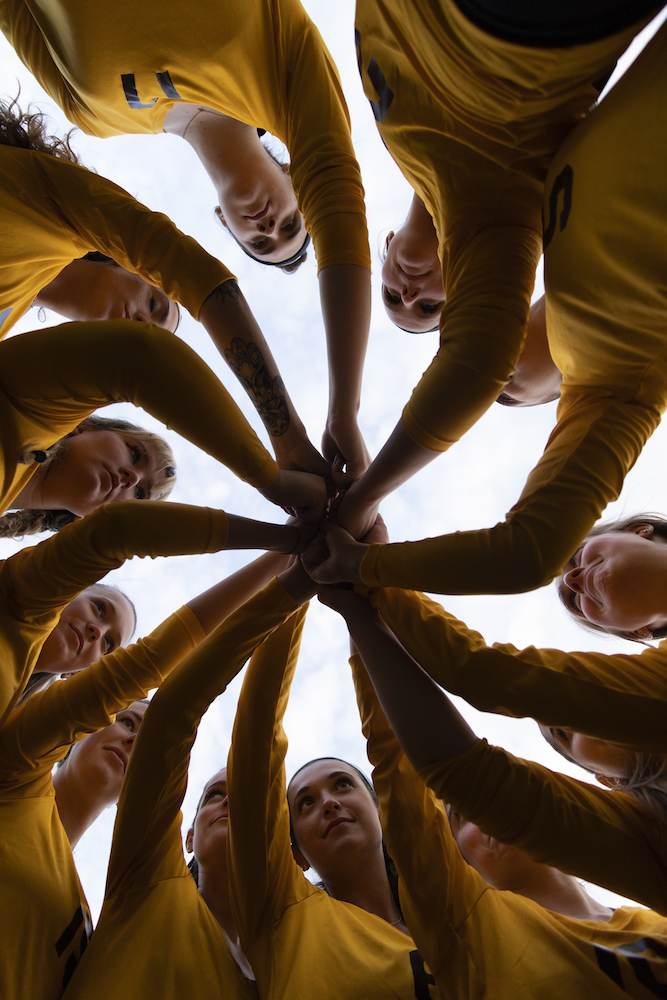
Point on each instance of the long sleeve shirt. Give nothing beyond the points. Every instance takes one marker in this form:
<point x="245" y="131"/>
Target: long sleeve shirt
<point x="618" y="697"/>
<point x="156" y="936"/>
<point x="120" y="69"/>
<point x="580" y="828"/>
<point x="300" y="941"/>
<point x="51" y="379"/>
<point x="39" y="581"/>
<point x="474" y="124"/>
<point x="480" y="942"/>
<point x="54" y="211"/>
<point x="44" y="919"/>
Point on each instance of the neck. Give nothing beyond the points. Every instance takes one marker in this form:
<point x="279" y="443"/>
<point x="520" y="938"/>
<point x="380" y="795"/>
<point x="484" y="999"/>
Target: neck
<point x="420" y="224"/>
<point x="364" y="882"/>
<point x="223" y="144"/>
<point x="214" y="890"/>
<point x="77" y="807"/>
<point x="561" y="893"/>
<point x="31" y="496"/>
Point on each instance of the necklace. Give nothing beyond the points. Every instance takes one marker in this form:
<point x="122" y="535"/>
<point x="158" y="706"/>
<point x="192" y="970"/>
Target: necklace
<point x="400" y="920"/>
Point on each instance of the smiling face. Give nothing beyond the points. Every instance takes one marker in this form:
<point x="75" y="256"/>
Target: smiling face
<point x="94" y="290"/>
<point x="333" y="815"/>
<point x="207" y="836"/>
<point x="412" y="289"/>
<point x="100" y="760"/>
<point x="95" y="467"/>
<point x="95" y="623"/>
<point x="261" y="212"/>
<point x="618" y="581"/>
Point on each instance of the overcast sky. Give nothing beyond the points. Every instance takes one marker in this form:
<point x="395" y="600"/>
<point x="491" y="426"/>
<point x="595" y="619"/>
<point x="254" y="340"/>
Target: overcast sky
<point x="472" y="486"/>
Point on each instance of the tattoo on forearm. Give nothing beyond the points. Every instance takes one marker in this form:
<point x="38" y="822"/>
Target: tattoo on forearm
<point x="227" y="290"/>
<point x="267" y="394"/>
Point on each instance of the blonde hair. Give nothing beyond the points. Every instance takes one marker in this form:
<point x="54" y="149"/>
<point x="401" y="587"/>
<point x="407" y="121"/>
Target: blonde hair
<point x="17" y="523"/>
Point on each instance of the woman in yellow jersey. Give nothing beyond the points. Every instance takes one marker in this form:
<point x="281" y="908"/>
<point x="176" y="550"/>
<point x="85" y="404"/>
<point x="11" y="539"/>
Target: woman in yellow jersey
<point x="300" y="940"/>
<point x="474" y="121"/>
<point x="45" y="917"/>
<point x="161" y="931"/>
<point x="50" y="380"/>
<point x="56" y="216"/>
<point x="214" y="76"/>
<point x="546" y="936"/>
<point x="38" y="582"/>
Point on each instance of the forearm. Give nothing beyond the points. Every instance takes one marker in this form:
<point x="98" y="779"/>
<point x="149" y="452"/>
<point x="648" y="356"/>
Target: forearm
<point x="345" y="296"/>
<point x="245" y="533"/>
<point x="221" y="600"/>
<point x="425" y="722"/>
<point x="398" y="460"/>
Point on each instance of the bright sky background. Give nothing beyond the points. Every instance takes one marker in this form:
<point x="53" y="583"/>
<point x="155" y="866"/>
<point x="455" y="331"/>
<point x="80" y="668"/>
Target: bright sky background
<point x="472" y="486"/>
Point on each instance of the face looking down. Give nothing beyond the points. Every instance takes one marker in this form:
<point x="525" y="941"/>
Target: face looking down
<point x="618" y="581"/>
<point x="100" y="760"/>
<point x="412" y="289"/>
<point x="95" y="623"/>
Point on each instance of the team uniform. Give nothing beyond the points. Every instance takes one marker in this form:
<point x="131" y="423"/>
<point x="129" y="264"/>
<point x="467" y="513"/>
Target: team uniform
<point x="44" y="918"/>
<point x="120" y="69"/>
<point x="54" y="211"/>
<point x="482" y="942"/>
<point x="474" y="123"/>
<point x="156" y="936"/>
<point x="299" y="941"/>
<point x="580" y="828"/>
<point x="38" y="582"/>
<point x="616" y="697"/>
<point x="51" y="380"/>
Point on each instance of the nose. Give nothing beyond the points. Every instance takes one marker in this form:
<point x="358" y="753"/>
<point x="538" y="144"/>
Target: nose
<point x="409" y="292"/>
<point x="330" y="805"/>
<point x="572" y="579"/>
<point x="266" y="224"/>
<point x="128" y="478"/>
<point x="93" y="632"/>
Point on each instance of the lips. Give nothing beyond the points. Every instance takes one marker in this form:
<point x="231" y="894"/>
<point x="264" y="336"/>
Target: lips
<point x="334" y="824"/>
<point x="79" y="638"/>
<point x="122" y="757"/>
<point x="259" y="215"/>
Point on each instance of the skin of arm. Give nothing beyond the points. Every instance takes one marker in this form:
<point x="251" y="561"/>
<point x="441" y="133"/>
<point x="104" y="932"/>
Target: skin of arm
<point x="224" y="598"/>
<point x="228" y="319"/>
<point x="425" y="722"/>
<point x="345" y="296"/>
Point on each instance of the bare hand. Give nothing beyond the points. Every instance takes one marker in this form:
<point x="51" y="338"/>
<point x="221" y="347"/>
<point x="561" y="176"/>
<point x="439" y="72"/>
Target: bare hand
<point x="297" y="583"/>
<point x="302" y="456"/>
<point x="344" y="448"/>
<point x="355" y="514"/>
<point x="344" y="601"/>
<point x="334" y="556"/>
<point x="303" y="492"/>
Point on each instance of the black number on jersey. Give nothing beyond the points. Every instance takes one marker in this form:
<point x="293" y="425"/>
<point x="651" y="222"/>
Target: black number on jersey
<point x="132" y="97"/>
<point x="80" y="917"/>
<point x="562" y="183"/>
<point x="423" y="979"/>
<point x="642" y="968"/>
<point x="376" y="76"/>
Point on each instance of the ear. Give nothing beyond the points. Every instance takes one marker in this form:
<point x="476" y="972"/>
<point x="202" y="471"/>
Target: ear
<point x="190" y="836"/>
<point x="220" y="216"/>
<point x="300" y="859"/>
<point x="389" y="238"/>
<point x="285" y="168"/>
<point x="641" y="633"/>
<point x="607" y="782"/>
<point x="641" y="528"/>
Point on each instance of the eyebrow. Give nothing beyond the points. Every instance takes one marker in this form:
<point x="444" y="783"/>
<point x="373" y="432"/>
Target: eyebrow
<point x="166" y="312"/>
<point x="130" y="711"/>
<point x="334" y="774"/>
<point x="290" y="236"/>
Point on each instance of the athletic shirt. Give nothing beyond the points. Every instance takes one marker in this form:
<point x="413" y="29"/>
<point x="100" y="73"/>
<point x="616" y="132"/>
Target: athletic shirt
<point x="44" y="918"/>
<point x="618" y="697"/>
<point x="156" y="937"/>
<point x="54" y="211"/>
<point x="484" y="943"/>
<point x="50" y="380"/>
<point x="38" y="582"/>
<point x="121" y="68"/>
<point x="580" y="828"/>
<point x="300" y="941"/>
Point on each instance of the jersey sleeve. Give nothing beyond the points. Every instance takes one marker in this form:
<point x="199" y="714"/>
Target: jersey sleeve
<point x="38" y="732"/>
<point x="21" y="31"/>
<point x="86" y="365"/>
<point x="584" y="830"/>
<point x="595" y="443"/>
<point x="106" y="218"/>
<point x="264" y="877"/>
<point x="620" y="697"/>
<point x="324" y="169"/>
<point x="438" y="889"/>
<point x="148" y="823"/>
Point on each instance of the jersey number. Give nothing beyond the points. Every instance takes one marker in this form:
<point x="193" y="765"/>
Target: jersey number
<point x="69" y="935"/>
<point x="132" y="97"/>
<point x="562" y="183"/>
<point x="422" y="978"/>
<point x="641" y="967"/>
<point x="376" y="76"/>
